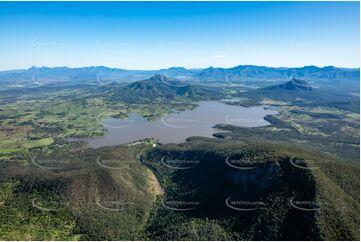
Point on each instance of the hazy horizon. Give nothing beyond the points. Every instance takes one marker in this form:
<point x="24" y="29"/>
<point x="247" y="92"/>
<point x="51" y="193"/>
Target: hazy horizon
<point x="164" y="68"/>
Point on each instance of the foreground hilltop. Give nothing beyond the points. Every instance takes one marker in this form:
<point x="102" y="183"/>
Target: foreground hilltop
<point x="208" y="190"/>
<point x="253" y="192"/>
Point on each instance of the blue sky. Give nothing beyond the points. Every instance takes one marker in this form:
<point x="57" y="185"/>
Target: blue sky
<point x="153" y="35"/>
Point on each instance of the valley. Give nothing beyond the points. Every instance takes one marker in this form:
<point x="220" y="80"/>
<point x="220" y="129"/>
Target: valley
<point x="180" y="121"/>
<point x="293" y="176"/>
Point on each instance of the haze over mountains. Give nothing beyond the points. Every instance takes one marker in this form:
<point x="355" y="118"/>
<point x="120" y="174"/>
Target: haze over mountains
<point x="249" y="75"/>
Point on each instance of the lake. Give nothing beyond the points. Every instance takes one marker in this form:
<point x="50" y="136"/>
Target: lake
<point x="176" y="127"/>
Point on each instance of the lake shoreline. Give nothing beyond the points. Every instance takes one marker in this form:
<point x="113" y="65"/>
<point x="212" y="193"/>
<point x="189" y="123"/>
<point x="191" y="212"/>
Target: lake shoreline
<point x="177" y="127"/>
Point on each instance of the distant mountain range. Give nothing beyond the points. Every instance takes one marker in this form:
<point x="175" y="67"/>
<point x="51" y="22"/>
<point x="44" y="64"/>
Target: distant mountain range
<point x="249" y="75"/>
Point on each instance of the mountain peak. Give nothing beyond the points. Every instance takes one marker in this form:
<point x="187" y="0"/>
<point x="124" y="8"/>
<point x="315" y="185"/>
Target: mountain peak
<point x="160" y="87"/>
<point x="152" y="83"/>
<point x="296" y="81"/>
<point x="158" y="77"/>
<point x="293" y="85"/>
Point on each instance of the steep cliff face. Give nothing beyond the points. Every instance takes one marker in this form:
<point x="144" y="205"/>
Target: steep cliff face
<point x="256" y="178"/>
<point x="252" y="185"/>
